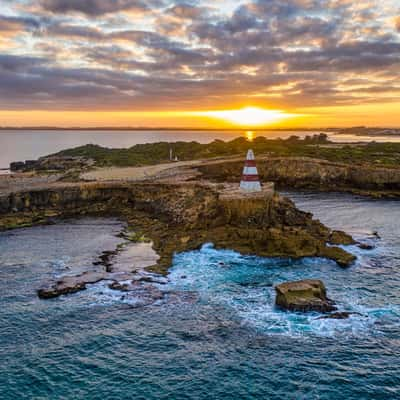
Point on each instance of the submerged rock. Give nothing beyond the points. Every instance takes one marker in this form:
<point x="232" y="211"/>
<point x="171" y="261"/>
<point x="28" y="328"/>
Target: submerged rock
<point x="305" y="295"/>
<point x="339" y="315"/>
<point x="139" y="294"/>
<point x="122" y="287"/>
<point x="366" y="246"/>
<point x="69" y="284"/>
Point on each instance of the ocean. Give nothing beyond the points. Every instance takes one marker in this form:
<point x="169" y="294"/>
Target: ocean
<point x="21" y="145"/>
<point x="224" y="339"/>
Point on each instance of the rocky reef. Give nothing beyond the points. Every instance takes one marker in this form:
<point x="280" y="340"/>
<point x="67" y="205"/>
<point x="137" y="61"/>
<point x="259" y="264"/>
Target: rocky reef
<point x="304" y="296"/>
<point x="180" y="217"/>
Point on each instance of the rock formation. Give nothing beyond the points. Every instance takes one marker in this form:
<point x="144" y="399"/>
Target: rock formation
<point x="179" y="217"/>
<point x="305" y="295"/>
<point x="313" y="174"/>
<point x="51" y="163"/>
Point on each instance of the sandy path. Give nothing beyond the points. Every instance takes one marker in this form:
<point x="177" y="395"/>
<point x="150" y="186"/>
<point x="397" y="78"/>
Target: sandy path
<point x="136" y="173"/>
<point x="158" y="171"/>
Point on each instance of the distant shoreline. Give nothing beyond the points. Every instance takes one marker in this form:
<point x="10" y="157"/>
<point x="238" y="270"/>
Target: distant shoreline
<point x="105" y="128"/>
<point x="362" y="131"/>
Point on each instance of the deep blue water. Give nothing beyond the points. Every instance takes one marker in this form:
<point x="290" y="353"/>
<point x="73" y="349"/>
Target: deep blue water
<point x="225" y="341"/>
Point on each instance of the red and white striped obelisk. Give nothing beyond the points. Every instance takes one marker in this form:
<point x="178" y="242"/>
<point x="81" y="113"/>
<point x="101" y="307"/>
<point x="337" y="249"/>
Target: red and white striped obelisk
<point x="250" y="181"/>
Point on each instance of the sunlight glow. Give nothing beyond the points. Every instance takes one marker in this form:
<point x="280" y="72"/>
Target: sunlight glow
<point x="249" y="116"/>
<point x="250" y="136"/>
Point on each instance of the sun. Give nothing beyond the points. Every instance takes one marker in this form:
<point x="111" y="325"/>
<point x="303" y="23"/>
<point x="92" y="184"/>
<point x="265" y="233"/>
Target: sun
<point x="249" y="116"/>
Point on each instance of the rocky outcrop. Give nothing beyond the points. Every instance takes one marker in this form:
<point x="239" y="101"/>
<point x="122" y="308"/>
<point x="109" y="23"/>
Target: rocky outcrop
<point x="313" y="174"/>
<point x="303" y="296"/>
<point x="52" y="163"/>
<point x="340" y="237"/>
<point x="179" y="217"/>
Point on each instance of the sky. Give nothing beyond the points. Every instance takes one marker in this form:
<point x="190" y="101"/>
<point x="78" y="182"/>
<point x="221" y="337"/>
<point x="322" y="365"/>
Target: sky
<point x="317" y="63"/>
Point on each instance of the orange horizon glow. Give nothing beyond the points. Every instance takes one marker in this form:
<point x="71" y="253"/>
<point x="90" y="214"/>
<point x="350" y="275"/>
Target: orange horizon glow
<point x="249" y="116"/>
<point x="245" y="117"/>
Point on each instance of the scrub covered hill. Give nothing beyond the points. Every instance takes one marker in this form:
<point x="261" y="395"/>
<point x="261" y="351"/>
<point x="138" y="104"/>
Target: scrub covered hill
<point x="317" y="146"/>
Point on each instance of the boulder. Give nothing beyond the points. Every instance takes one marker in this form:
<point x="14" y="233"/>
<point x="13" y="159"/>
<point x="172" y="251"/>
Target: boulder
<point x="305" y="295"/>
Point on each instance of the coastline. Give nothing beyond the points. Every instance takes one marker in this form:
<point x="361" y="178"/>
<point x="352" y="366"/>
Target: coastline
<point x="183" y="216"/>
<point x="180" y="206"/>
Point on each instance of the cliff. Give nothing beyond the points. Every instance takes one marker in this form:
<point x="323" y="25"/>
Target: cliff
<point x="314" y="174"/>
<point x="179" y="217"/>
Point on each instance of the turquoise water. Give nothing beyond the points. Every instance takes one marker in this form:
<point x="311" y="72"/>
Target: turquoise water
<point x="219" y="336"/>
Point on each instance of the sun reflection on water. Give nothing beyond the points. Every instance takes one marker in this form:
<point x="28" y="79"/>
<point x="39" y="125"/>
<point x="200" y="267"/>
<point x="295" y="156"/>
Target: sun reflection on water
<point x="249" y="135"/>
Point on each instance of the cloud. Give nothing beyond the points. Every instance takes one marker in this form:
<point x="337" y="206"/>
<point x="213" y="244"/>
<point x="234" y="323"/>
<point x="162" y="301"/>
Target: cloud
<point x="187" y="11"/>
<point x="12" y="27"/>
<point x="13" y="63"/>
<point x="95" y="7"/>
<point x="15" y="24"/>
<point x="196" y="54"/>
<point x="73" y="31"/>
<point x="397" y="23"/>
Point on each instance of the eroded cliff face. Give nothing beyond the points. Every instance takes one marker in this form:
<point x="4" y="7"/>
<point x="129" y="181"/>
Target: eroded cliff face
<point x="179" y="217"/>
<point x="307" y="173"/>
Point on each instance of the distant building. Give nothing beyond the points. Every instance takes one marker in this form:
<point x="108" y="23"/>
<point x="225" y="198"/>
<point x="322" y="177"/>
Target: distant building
<point x="250" y="181"/>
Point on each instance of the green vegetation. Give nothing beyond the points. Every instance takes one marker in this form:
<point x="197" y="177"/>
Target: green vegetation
<point x="134" y="236"/>
<point x="317" y="146"/>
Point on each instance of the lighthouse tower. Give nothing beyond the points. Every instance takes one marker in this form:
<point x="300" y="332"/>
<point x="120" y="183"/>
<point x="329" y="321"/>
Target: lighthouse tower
<point x="250" y="181"/>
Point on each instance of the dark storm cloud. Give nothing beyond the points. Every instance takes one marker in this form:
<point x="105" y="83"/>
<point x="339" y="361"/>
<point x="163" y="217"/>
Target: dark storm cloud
<point x="125" y="54"/>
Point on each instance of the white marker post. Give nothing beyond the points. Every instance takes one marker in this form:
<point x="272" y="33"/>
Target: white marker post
<point x="250" y="181"/>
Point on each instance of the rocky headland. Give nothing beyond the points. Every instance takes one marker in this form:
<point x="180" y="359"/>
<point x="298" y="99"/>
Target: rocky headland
<point x="177" y="217"/>
<point x="311" y="164"/>
<point x="179" y="206"/>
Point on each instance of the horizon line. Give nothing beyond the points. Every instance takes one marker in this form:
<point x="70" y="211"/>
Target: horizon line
<point x="147" y="128"/>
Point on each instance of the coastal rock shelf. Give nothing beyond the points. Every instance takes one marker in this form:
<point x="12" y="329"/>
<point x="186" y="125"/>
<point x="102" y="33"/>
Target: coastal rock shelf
<point x="125" y="264"/>
<point x="183" y="216"/>
<point x="315" y="174"/>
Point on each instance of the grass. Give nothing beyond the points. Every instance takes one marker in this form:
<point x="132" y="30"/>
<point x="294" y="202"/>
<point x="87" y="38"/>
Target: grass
<point x="317" y="146"/>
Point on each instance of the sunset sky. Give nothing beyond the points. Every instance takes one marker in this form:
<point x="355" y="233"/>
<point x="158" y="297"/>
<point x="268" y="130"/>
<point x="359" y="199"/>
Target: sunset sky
<point x="310" y="63"/>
